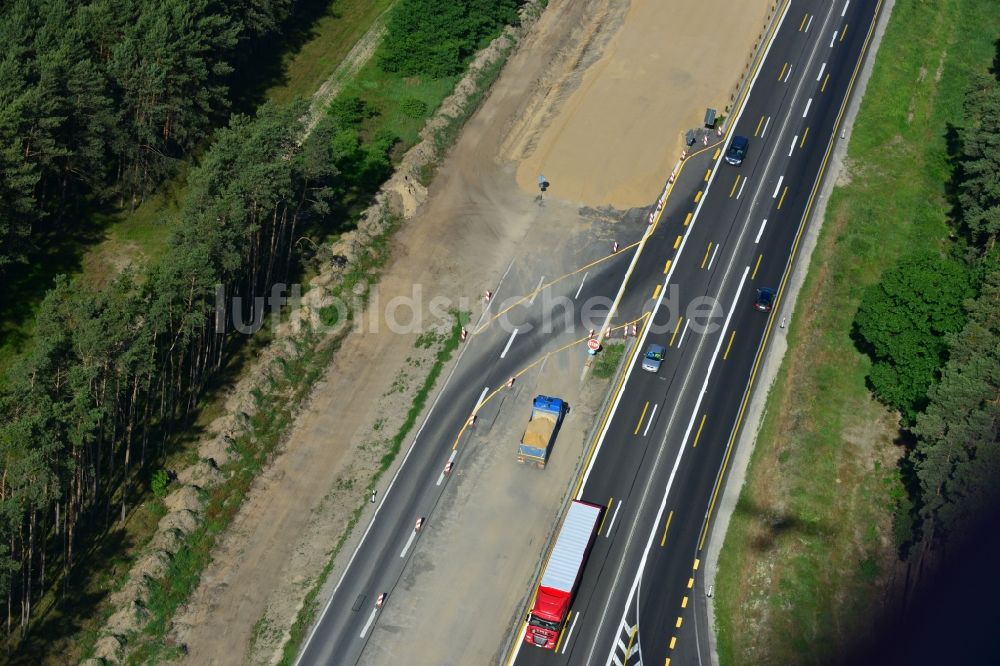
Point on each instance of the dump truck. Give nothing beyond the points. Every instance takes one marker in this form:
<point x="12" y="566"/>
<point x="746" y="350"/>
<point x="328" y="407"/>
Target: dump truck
<point x="562" y="574"/>
<point x="543" y="425"/>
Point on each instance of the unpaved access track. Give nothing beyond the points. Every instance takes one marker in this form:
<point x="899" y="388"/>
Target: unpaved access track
<point x="597" y="97"/>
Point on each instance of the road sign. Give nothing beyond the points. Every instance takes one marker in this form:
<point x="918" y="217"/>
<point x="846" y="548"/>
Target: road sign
<point x="594" y="344"/>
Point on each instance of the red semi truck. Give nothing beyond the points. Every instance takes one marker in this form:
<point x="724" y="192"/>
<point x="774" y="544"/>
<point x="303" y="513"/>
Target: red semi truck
<point x="562" y="574"/>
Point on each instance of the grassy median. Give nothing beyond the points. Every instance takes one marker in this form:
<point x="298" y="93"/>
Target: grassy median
<point x="810" y="560"/>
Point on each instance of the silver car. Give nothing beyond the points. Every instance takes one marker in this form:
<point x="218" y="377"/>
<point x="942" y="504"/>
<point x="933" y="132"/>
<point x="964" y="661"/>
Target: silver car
<point x="653" y="358"/>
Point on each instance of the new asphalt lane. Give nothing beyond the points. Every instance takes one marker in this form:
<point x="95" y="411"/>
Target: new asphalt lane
<point x="663" y="450"/>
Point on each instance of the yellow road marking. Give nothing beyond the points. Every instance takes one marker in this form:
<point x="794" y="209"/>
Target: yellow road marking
<point x="843" y="32"/>
<point x="784" y="280"/>
<point x="670" y="516"/>
<point x="782" y="200"/>
<point x="822" y="88"/>
<point x="708" y="173"/>
<point x="673" y="642"/>
<point x="756" y="266"/>
<point x="641" y="417"/>
<point x="804" y="135"/>
<point x="676" y="328"/>
<point x="667" y="662"/>
<point x="803" y="24"/>
<point x="656" y="292"/>
<point x="611" y="500"/>
<point x="707" y="251"/>
<point x="735" y="183"/>
<point x="783" y="68"/>
<point x="677" y="243"/>
<point x="690" y="583"/>
<point x="729" y="346"/>
<point x="697" y="435"/>
<point x="718" y="151"/>
<point x="667" y="267"/>
<point x="697" y="197"/>
<point x="696" y="563"/>
<point x="687" y="220"/>
<point x="684" y="602"/>
<point x="759" y="123"/>
<point x="549" y="284"/>
<point x="631" y="639"/>
<point x="680" y="620"/>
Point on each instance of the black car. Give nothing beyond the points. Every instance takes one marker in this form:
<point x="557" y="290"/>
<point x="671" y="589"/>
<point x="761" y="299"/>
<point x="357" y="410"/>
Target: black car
<point x="737" y="150"/>
<point x="765" y="299"/>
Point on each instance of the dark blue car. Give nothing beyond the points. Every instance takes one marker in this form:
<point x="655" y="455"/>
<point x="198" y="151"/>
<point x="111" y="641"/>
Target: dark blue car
<point x="737" y="150"/>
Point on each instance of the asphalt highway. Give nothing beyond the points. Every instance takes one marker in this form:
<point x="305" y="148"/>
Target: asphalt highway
<point x="665" y="443"/>
<point x="665" y="448"/>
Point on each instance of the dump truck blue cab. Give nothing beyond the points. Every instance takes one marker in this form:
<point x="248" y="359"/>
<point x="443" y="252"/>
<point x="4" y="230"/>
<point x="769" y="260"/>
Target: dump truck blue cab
<point x="543" y="426"/>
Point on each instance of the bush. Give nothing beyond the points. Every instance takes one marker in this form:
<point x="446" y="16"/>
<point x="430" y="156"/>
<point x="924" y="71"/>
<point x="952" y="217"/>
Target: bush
<point x="159" y="483"/>
<point x="414" y="108"/>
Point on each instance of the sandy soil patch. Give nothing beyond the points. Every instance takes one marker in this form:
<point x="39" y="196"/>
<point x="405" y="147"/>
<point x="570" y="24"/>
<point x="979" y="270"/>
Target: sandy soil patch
<point x="617" y="128"/>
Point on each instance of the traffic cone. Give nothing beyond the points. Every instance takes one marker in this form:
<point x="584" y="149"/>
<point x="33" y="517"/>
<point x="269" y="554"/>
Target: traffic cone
<point x="510" y="382"/>
<point x="471" y="421"/>
<point x="464" y="334"/>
